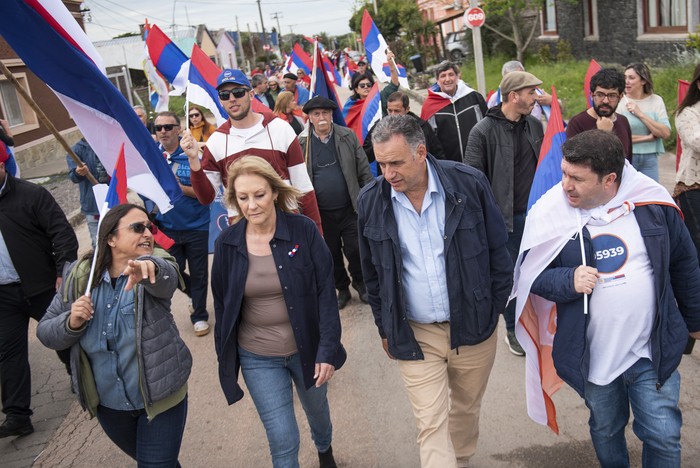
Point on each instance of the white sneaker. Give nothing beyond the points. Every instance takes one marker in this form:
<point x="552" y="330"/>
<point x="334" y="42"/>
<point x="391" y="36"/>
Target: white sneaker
<point x="201" y="328"/>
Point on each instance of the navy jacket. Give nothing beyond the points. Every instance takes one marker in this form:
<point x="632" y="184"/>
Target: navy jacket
<point x="477" y="263"/>
<point x="677" y="280"/>
<point x="307" y="283"/>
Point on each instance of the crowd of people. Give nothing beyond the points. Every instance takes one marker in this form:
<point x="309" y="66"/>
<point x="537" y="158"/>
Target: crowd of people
<point x="432" y="239"/>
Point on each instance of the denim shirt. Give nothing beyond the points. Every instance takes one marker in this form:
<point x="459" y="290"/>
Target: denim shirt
<point x="110" y="343"/>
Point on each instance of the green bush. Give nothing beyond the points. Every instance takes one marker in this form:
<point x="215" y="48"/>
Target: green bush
<point x="544" y="54"/>
<point x="564" y="51"/>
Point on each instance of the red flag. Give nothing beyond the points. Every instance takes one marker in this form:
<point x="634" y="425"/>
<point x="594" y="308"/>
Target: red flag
<point x="593" y="68"/>
<point x="682" y="91"/>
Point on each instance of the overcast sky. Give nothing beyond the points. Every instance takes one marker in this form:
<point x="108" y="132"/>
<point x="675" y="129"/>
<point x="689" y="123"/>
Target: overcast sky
<point x="113" y="17"/>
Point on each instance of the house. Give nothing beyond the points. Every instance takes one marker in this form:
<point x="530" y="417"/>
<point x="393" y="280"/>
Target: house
<point x="226" y="50"/>
<point x="34" y="144"/>
<point x="621" y="31"/>
<point x="447" y="15"/>
<point x="206" y="42"/>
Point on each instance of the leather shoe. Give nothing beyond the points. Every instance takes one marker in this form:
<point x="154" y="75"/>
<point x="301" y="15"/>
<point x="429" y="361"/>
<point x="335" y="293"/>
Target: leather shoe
<point x="16" y="427"/>
<point x="343" y="298"/>
<point x="362" y="291"/>
<point x="326" y="459"/>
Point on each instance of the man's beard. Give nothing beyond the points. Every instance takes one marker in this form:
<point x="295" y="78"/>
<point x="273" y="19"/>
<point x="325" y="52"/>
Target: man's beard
<point x="243" y="113"/>
<point x="606" y="112"/>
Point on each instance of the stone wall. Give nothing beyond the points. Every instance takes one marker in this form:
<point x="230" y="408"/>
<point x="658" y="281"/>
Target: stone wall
<point x="33" y="157"/>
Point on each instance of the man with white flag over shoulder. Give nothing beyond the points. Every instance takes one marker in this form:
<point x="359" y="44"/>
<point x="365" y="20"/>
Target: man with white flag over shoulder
<point x="608" y="246"/>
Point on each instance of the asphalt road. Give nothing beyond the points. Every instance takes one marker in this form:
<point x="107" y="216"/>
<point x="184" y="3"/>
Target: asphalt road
<point x="373" y="422"/>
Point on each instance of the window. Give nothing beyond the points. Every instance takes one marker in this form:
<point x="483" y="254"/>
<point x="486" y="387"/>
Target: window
<point x="15" y="109"/>
<point x="663" y="16"/>
<point x="590" y="18"/>
<point x="549" y="19"/>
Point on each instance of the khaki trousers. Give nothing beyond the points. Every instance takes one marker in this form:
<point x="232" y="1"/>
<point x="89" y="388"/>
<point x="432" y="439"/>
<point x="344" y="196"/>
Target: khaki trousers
<point x="445" y="390"/>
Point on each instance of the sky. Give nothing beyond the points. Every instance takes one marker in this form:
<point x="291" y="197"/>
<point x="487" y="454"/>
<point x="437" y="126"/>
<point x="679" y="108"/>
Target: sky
<point x="113" y="17"/>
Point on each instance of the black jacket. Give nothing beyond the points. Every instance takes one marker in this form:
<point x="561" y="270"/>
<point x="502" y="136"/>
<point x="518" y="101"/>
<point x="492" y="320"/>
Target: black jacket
<point x="478" y="266"/>
<point x="432" y="144"/>
<point x="37" y="234"/>
<point x="453" y="123"/>
<point x="490" y="149"/>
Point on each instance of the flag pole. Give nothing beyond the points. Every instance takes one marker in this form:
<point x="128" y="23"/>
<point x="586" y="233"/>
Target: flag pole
<point x="314" y="70"/>
<point x="45" y="120"/>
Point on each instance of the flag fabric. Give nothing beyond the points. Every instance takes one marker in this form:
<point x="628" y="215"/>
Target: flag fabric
<point x="47" y="38"/>
<point x="551" y="224"/>
<point x="360" y="116"/>
<point x="548" y="172"/>
<point x="435" y="101"/>
<point x="683" y="86"/>
<point x="375" y="47"/>
<point x="116" y="193"/>
<point x="7" y="155"/>
<point x="201" y="85"/>
<point x="168" y="59"/>
<point x="322" y="85"/>
<point x="157" y="85"/>
<point x="298" y="58"/>
<point x="593" y="68"/>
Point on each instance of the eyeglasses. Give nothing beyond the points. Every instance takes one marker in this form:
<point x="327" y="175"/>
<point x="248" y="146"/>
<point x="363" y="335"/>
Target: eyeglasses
<point x="166" y="127"/>
<point x="364" y="85"/>
<point x="611" y="97"/>
<point x="140" y="228"/>
<point x="237" y="93"/>
<point x="195" y="115"/>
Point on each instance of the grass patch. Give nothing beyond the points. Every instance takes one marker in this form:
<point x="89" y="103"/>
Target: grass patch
<point x="567" y="78"/>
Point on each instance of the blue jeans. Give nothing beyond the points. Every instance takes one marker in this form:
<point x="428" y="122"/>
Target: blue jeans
<point x="513" y="245"/>
<point x="92" y="222"/>
<point x="192" y="247"/>
<point x="152" y="444"/>
<point x="269" y="381"/>
<point x="657" y="418"/>
<point x="647" y="164"/>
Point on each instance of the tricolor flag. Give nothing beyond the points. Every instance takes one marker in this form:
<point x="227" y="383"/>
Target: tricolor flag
<point x="168" y="59"/>
<point x="47" y="38"/>
<point x="682" y="91"/>
<point x="360" y="116"/>
<point x="201" y="86"/>
<point x="157" y="85"/>
<point x="548" y="172"/>
<point x="298" y="58"/>
<point x="376" y="47"/>
<point x="322" y="85"/>
<point x="593" y="68"/>
<point x="7" y="155"/>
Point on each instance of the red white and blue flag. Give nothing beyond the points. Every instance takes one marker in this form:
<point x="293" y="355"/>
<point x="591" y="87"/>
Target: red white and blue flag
<point x="322" y="85"/>
<point x="7" y="156"/>
<point x="593" y="68"/>
<point x="116" y="192"/>
<point x="47" y="38"/>
<point x="157" y="85"/>
<point x="360" y="116"/>
<point x="548" y="172"/>
<point x="201" y="86"/>
<point x="168" y="59"/>
<point x="298" y="58"/>
<point x="375" y="47"/>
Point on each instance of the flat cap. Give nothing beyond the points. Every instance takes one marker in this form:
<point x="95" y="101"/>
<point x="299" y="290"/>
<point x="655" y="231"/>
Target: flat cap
<point x="517" y="80"/>
<point x="319" y="102"/>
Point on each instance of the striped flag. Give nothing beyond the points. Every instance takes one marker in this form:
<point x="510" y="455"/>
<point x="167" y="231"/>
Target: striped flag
<point x="593" y="68"/>
<point x="7" y="156"/>
<point x="168" y="59"/>
<point x="360" y="116"/>
<point x="157" y="85"/>
<point x="47" y="38"/>
<point x="201" y="86"/>
<point x="376" y="47"/>
<point x="322" y="85"/>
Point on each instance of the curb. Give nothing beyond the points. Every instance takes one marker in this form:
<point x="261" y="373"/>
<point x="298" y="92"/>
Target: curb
<point x="75" y="218"/>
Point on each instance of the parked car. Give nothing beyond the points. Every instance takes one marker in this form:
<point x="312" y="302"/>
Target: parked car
<point x="456" y="46"/>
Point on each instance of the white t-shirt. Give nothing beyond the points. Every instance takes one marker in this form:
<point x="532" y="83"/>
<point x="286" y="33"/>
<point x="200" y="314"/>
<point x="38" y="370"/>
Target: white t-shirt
<point x="623" y="303"/>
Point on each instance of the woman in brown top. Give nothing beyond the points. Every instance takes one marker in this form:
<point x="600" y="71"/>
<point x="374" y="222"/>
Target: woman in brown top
<point x="276" y="310"/>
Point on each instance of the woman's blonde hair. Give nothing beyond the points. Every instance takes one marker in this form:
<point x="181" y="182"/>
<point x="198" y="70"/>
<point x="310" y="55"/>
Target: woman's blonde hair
<point x="283" y="100"/>
<point x="287" y="196"/>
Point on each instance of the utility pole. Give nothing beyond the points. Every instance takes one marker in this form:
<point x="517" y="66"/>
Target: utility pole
<point x="252" y="44"/>
<point x="240" y="43"/>
<point x="262" y="25"/>
<point x="276" y="16"/>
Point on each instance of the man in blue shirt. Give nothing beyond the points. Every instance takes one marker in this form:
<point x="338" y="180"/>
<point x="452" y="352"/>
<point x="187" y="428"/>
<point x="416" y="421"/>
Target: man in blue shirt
<point x="187" y="223"/>
<point x="438" y="273"/>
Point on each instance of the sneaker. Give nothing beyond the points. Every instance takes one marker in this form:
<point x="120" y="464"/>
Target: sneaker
<point x="201" y="328"/>
<point x="17" y="427"/>
<point x="343" y="298"/>
<point x="326" y="460"/>
<point x="513" y="345"/>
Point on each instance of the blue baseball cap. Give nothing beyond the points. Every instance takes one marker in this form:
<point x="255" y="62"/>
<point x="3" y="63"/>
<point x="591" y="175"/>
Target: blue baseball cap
<point x="232" y="75"/>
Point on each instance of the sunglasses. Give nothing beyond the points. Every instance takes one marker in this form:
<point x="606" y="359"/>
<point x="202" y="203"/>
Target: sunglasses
<point x="195" y="115"/>
<point x="364" y="85"/>
<point x="140" y="228"/>
<point x="237" y="93"/>
<point x="166" y="127"/>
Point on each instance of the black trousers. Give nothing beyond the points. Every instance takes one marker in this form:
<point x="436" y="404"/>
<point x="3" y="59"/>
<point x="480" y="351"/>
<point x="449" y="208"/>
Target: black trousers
<point x="340" y="234"/>
<point x="15" y="376"/>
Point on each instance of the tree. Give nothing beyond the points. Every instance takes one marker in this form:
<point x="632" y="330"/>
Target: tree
<point x="521" y="20"/>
